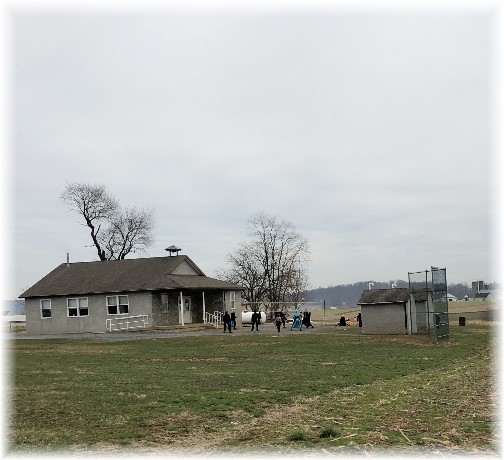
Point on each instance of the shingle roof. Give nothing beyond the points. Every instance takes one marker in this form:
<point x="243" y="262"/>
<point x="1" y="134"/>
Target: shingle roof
<point x="481" y="295"/>
<point x="374" y="296"/>
<point x="129" y="275"/>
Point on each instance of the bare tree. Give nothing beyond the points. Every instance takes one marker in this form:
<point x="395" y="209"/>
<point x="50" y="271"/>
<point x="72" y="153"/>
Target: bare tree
<point x="94" y="204"/>
<point x="270" y="265"/>
<point x="245" y="270"/>
<point x="115" y="232"/>
<point x="128" y="232"/>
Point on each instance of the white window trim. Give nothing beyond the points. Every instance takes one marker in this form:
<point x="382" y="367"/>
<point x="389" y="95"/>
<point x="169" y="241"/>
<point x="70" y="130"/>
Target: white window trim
<point x="50" y="308"/>
<point x="78" y="307"/>
<point x="232" y="299"/>
<point x="117" y="300"/>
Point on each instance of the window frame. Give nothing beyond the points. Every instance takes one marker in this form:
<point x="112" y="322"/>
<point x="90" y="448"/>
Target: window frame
<point x="78" y="307"/>
<point x="164" y="307"/>
<point x="42" y="309"/>
<point x="232" y="299"/>
<point x="117" y="305"/>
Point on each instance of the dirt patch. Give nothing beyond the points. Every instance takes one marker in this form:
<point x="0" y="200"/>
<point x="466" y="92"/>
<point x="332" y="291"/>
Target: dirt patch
<point x="250" y="344"/>
<point x="185" y="360"/>
<point x="73" y="349"/>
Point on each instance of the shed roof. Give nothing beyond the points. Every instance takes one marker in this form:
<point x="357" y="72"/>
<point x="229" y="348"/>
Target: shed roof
<point x="380" y="296"/>
<point x="128" y="275"/>
<point x="395" y="295"/>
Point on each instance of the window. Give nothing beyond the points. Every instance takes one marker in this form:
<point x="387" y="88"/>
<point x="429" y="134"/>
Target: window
<point x="45" y="308"/>
<point x="164" y="303"/>
<point x="117" y="305"/>
<point x="77" y="307"/>
<point x="232" y="299"/>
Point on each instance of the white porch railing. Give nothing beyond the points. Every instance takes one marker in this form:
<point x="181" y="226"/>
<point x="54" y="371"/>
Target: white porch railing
<point x="126" y="323"/>
<point x="214" y="318"/>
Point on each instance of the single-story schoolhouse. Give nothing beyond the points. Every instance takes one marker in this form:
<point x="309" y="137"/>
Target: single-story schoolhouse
<point x="112" y="295"/>
<point x="396" y="311"/>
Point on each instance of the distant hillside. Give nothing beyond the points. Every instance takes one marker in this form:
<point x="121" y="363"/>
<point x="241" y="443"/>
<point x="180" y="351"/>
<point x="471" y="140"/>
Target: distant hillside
<point x="14" y="307"/>
<point x="348" y="294"/>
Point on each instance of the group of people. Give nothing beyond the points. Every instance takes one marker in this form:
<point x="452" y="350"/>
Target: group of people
<point x="229" y="321"/>
<point x="343" y="321"/>
<point x="298" y="322"/>
<point x="256" y="320"/>
<point x="280" y="319"/>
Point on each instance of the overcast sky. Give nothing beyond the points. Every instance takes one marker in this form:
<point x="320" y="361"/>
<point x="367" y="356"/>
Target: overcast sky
<point x="369" y="130"/>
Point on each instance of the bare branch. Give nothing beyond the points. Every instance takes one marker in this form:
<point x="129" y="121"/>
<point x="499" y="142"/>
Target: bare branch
<point x="115" y="233"/>
<point x="94" y="204"/>
<point x="269" y="266"/>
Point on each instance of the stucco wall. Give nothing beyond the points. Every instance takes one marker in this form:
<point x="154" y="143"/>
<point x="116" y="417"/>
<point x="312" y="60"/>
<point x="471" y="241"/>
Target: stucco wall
<point x="383" y="319"/>
<point x="139" y="304"/>
<point x="184" y="268"/>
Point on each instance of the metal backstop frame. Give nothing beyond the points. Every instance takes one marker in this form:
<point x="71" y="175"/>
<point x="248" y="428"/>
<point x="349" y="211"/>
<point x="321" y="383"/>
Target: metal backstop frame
<point x="430" y="286"/>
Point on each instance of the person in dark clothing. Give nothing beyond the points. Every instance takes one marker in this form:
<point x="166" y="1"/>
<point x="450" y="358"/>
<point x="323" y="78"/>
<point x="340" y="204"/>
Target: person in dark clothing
<point x="342" y="321"/>
<point x="359" y="319"/>
<point x="255" y="321"/>
<point x="305" y="318"/>
<point x="226" y="319"/>
<point x="233" y="319"/>
<point x="308" y="322"/>
<point x="278" y="320"/>
<point x="284" y="318"/>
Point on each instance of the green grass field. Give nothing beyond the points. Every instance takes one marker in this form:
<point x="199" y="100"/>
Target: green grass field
<point x="319" y="390"/>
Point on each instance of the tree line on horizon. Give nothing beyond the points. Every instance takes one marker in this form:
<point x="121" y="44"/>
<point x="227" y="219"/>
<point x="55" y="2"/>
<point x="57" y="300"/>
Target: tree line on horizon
<point x="348" y="294"/>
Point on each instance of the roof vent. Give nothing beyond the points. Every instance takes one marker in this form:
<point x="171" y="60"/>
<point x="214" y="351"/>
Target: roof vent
<point x="173" y="249"/>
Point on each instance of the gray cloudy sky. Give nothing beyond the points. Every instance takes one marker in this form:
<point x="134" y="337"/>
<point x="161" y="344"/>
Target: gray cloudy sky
<point x="369" y="131"/>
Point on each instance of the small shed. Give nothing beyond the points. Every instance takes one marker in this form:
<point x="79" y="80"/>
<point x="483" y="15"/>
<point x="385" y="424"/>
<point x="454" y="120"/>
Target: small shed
<point x="396" y="311"/>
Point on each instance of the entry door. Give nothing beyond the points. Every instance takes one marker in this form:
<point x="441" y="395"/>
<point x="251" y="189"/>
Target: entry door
<point x="186" y="301"/>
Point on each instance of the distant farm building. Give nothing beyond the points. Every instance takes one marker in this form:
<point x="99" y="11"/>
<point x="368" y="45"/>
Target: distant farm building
<point x="482" y="291"/>
<point x="450" y="298"/>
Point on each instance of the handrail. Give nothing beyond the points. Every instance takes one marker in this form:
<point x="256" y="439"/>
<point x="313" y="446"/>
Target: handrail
<point x="214" y="318"/>
<point x="131" y="322"/>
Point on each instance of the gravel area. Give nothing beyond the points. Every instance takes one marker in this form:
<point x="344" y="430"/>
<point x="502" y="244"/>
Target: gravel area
<point x="267" y="328"/>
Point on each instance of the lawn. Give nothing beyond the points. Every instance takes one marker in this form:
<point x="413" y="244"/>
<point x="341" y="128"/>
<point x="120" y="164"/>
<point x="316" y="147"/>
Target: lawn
<point x="201" y="394"/>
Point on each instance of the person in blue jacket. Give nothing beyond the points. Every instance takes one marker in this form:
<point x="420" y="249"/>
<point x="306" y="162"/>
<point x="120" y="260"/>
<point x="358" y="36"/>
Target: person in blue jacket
<point x="296" y="321"/>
